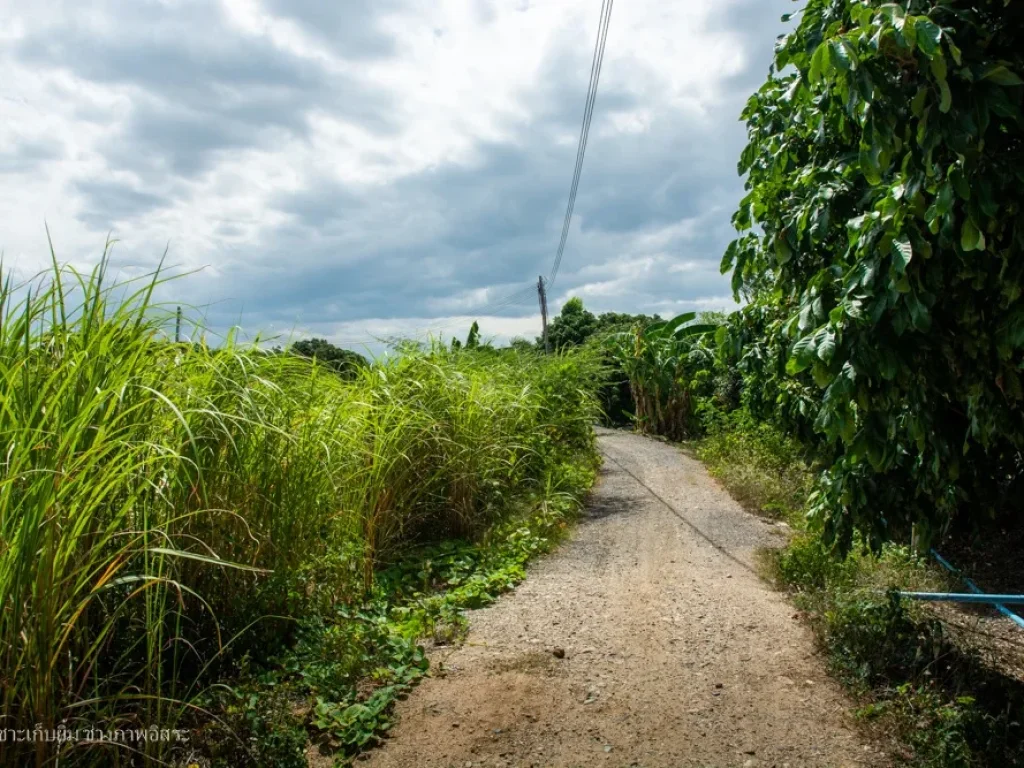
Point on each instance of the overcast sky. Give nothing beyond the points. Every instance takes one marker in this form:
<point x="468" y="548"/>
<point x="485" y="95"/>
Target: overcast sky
<point x="358" y="168"/>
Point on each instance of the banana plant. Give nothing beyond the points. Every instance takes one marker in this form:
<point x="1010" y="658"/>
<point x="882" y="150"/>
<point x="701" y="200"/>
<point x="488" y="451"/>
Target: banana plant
<point x="660" y="361"/>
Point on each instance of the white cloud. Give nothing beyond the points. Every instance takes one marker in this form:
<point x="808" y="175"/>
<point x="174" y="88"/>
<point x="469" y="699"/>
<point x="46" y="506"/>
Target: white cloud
<point x="384" y="159"/>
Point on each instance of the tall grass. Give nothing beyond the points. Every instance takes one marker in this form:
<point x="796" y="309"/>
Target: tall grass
<point x="162" y="504"/>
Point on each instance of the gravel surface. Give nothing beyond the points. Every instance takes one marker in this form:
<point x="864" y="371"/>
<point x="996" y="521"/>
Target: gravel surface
<point x="646" y="640"/>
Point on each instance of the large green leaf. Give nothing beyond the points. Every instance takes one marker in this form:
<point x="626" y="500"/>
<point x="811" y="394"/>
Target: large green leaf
<point x="971" y="238"/>
<point x="928" y="35"/>
<point x="821" y="63"/>
<point x="827" y="347"/>
<point x="803" y="354"/>
<point x="670" y="326"/>
<point x="842" y="55"/>
<point x="697" y="329"/>
<point x="1000" y="74"/>
<point x="945" y="96"/>
<point x="902" y="253"/>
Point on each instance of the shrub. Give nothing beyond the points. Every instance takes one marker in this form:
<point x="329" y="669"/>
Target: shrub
<point x="880" y="249"/>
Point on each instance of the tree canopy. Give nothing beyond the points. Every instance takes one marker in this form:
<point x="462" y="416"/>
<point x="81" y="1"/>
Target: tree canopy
<point x="880" y="249"/>
<point x="344" y="361"/>
<point x="575" y="324"/>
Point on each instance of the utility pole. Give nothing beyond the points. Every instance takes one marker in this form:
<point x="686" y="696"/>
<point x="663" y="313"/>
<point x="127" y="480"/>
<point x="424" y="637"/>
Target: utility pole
<point x="543" y="296"/>
<point x="177" y="326"/>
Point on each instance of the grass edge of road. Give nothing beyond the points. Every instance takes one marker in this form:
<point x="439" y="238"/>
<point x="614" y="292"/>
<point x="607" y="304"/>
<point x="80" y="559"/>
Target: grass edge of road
<point x="924" y="691"/>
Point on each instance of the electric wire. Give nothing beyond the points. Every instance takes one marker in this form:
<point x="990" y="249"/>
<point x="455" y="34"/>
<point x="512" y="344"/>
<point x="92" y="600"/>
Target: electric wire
<point x="588" y="113"/>
<point x="520" y="296"/>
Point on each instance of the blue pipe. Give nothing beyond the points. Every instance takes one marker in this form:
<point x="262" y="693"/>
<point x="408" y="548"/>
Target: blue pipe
<point x="961" y="597"/>
<point x="974" y="588"/>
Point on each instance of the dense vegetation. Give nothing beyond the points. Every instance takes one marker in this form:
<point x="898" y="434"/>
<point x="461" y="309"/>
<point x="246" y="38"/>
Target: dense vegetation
<point x="882" y="258"/>
<point x="654" y="369"/>
<point x="245" y="545"/>
<point x="665" y="363"/>
<point x="343" y="361"/>
<point x="575" y="325"/>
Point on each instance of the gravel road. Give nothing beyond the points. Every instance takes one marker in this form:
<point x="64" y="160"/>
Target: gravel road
<point x="675" y="652"/>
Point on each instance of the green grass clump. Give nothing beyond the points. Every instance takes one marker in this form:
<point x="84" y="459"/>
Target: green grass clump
<point x="764" y="470"/>
<point x="921" y="686"/>
<point x="184" y="528"/>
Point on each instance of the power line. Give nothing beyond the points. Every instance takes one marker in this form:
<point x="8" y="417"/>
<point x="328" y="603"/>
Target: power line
<point x="520" y="296"/>
<point x="588" y="113"/>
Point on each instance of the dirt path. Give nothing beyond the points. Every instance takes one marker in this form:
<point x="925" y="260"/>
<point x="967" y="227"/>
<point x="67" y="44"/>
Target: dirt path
<point x="676" y="653"/>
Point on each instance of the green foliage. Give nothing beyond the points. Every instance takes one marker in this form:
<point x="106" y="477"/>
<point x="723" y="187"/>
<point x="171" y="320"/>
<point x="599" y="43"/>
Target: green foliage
<point x="940" y="699"/>
<point x="342" y="361"/>
<point x="348" y="667"/>
<point x="663" y="361"/>
<point x="472" y="338"/>
<point x="937" y="729"/>
<point x="572" y="326"/>
<point x="182" y="528"/>
<point x="575" y="326"/>
<point x="882" y="256"/>
<point x="763" y="469"/>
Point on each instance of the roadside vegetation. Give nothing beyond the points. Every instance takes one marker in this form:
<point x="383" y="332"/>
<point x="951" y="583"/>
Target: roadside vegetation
<point x="252" y="546"/>
<point x="869" y="394"/>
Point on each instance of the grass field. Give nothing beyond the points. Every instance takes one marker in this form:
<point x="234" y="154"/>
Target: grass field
<point x="175" y="517"/>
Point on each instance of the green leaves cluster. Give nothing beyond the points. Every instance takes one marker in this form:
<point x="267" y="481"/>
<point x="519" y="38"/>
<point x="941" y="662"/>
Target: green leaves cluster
<point x="881" y="247"/>
<point x="575" y="324"/>
<point x="343" y="361"/>
<point x="661" y="360"/>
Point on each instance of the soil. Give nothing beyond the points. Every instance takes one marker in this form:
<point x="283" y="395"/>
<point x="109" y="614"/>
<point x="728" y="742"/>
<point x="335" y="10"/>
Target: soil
<point x="648" y="639"/>
<point x="994" y="560"/>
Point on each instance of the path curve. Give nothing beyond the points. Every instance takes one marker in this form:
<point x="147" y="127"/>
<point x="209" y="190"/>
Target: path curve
<point x="675" y="652"/>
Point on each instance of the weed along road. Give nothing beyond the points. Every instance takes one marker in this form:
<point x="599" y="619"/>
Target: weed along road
<point x="647" y="639"/>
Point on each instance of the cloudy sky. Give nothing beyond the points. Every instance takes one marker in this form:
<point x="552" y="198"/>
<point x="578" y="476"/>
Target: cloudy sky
<point x="360" y="168"/>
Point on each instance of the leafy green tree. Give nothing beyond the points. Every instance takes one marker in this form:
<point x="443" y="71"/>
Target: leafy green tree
<point x="881" y="243"/>
<point x="575" y="326"/>
<point x="473" y="338"/>
<point x="572" y="326"/>
<point x="344" y="361"/>
<point x="520" y="344"/>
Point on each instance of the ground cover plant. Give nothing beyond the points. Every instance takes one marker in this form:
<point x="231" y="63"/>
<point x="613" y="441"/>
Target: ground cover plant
<point x="921" y="686"/>
<point x="206" y="537"/>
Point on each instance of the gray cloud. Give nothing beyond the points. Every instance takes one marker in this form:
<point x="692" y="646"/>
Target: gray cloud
<point x="28" y="154"/>
<point x="352" y="28"/>
<point x="202" y="92"/>
<point x="496" y="222"/>
<point x="107" y="202"/>
<point x="202" y="87"/>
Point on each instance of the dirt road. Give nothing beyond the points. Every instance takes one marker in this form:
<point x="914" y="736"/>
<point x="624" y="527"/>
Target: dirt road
<point x="675" y="652"/>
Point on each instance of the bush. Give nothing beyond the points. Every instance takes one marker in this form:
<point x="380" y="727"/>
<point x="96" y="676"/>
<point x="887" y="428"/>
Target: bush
<point x="762" y="468"/>
<point x="881" y="255"/>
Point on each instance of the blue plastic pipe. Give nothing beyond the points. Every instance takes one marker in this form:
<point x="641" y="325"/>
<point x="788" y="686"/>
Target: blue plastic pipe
<point x="1000" y="606"/>
<point x="964" y="597"/>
